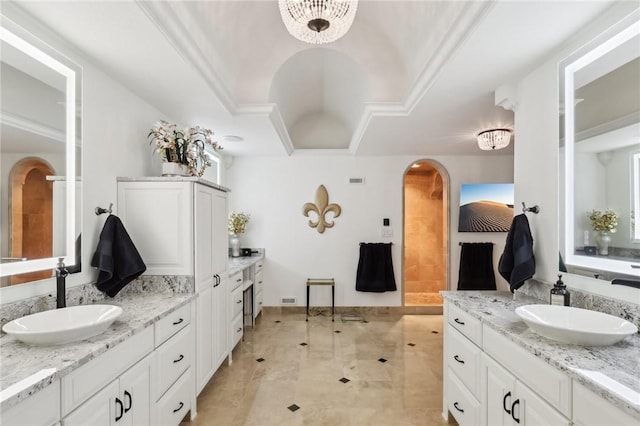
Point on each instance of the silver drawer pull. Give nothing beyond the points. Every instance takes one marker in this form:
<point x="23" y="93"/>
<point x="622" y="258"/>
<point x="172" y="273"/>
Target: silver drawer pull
<point x="179" y="408"/>
<point x="458" y="321"/>
<point x="458" y="359"/>
<point x="178" y="322"/>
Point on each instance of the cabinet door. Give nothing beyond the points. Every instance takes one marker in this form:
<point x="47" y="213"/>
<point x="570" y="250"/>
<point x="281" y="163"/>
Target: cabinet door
<point x="220" y="232"/>
<point x="220" y="325"/>
<point x="100" y="410"/>
<point x="500" y="394"/>
<point x="204" y="202"/>
<point x="204" y="342"/>
<point x="135" y="391"/>
<point x="534" y="411"/>
<point x="159" y="218"/>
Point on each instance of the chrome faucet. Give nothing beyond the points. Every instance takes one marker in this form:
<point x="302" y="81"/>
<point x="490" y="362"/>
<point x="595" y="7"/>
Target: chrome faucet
<point x="61" y="284"/>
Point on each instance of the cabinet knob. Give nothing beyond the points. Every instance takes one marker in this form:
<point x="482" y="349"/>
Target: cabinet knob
<point x="238" y="280"/>
<point x="180" y="358"/>
<point x="239" y="301"/>
<point x="239" y="330"/>
<point x="458" y="359"/>
<point x="458" y="321"/>
<point x="455" y="404"/>
<point x="178" y="322"/>
<point x="179" y="407"/>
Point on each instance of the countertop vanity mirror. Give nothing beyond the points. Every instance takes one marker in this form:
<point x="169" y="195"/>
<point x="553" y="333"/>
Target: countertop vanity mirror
<point x="40" y="152"/>
<point x="600" y="159"/>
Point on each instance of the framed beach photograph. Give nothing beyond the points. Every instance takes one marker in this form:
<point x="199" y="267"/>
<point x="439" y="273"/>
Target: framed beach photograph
<point x="485" y="207"/>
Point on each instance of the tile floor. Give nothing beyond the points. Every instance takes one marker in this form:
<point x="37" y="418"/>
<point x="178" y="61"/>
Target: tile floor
<point x="386" y="371"/>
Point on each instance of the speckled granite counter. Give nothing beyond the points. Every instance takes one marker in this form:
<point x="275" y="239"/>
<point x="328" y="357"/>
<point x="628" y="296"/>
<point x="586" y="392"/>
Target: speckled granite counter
<point x="237" y="264"/>
<point x="26" y="369"/>
<point x="612" y="372"/>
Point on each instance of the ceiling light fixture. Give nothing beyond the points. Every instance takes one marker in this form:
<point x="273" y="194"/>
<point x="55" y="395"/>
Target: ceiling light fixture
<point x="318" y="21"/>
<point x="491" y="139"/>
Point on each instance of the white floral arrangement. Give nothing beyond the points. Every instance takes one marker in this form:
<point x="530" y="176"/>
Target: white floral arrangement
<point x="184" y="146"/>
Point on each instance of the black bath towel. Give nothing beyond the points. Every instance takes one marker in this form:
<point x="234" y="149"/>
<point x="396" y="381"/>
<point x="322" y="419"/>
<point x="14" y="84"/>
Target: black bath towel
<point x="517" y="263"/>
<point x="476" y="267"/>
<point x="116" y="257"/>
<point x="375" y="268"/>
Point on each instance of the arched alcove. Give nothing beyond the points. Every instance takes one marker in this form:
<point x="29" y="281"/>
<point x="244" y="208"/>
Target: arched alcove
<point x="31" y="214"/>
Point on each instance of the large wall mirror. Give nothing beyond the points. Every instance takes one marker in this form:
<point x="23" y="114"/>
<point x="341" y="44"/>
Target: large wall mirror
<point x="601" y="152"/>
<point x="40" y="152"/>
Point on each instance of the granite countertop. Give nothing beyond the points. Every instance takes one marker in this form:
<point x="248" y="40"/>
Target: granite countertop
<point x="26" y="369"/>
<point x="612" y="372"/>
<point x="237" y="264"/>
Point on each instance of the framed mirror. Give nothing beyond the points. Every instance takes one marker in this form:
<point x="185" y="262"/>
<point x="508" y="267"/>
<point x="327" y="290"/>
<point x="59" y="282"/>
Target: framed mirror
<point x="40" y="149"/>
<point x="601" y="165"/>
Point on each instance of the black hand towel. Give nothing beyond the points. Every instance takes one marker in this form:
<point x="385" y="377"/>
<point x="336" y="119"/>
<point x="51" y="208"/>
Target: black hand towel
<point x="116" y="257"/>
<point x="517" y="262"/>
<point x="476" y="267"/>
<point x="375" y="268"/>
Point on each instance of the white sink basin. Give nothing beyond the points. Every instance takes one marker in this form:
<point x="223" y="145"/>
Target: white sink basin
<point x="65" y="325"/>
<point x="575" y="325"/>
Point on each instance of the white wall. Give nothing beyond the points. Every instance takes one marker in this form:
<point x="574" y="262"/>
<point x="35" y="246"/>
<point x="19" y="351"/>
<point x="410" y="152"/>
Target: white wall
<point x="537" y="144"/>
<point x="274" y="189"/>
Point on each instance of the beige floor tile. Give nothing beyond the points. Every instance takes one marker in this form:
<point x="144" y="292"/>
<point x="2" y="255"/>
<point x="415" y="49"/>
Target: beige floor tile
<point x="405" y="390"/>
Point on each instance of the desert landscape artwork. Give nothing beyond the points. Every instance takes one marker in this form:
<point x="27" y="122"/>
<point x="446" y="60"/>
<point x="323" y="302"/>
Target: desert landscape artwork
<point x="485" y="207"/>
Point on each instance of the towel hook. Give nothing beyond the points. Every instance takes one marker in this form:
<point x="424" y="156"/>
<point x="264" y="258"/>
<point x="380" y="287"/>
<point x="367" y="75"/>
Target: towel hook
<point x="100" y="210"/>
<point x="535" y="209"/>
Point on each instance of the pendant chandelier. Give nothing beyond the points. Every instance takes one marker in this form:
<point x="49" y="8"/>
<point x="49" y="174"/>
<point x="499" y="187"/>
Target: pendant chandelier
<point x="494" y="139"/>
<point x="318" y="21"/>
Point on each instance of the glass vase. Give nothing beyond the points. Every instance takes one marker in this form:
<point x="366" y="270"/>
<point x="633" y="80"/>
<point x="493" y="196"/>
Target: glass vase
<point x="603" y="243"/>
<point x="234" y="244"/>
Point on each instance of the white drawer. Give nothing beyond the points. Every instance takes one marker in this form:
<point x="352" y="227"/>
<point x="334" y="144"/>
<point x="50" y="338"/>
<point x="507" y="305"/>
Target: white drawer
<point x="464" y="407"/>
<point x="258" y="266"/>
<point x="463" y="357"/>
<point x="175" y="404"/>
<point x="235" y="280"/>
<point x="553" y="386"/>
<point x="42" y="408"/>
<point x="258" y="308"/>
<point x="466" y="324"/>
<point x="172" y="359"/>
<point x="236" y="302"/>
<point x="258" y="281"/>
<point x="82" y="383"/>
<point x="237" y="330"/>
<point x="172" y="323"/>
<point x="590" y="409"/>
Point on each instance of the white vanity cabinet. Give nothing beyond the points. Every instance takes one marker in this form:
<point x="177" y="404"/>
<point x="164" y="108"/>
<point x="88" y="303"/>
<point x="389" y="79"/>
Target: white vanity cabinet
<point x="258" y="282"/>
<point x="236" y="330"/>
<point x="491" y="380"/>
<point x="180" y="228"/>
<point x="113" y="388"/>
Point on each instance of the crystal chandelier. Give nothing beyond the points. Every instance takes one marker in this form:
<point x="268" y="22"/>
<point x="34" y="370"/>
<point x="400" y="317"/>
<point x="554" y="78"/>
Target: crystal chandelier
<point x="494" y="139"/>
<point x="318" y="21"/>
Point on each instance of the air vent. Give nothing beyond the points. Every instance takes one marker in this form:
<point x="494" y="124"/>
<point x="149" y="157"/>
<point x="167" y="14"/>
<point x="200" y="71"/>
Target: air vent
<point x="356" y="180"/>
<point x="288" y="301"/>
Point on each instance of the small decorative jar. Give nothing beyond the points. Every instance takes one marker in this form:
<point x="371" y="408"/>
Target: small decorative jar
<point x="234" y="244"/>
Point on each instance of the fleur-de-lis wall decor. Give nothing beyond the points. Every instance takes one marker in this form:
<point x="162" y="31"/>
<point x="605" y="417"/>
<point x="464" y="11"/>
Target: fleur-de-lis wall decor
<point x="321" y="208"/>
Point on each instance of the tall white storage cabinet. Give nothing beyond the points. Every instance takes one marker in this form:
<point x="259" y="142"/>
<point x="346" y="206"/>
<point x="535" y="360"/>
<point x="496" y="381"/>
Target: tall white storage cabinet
<point x="180" y="228"/>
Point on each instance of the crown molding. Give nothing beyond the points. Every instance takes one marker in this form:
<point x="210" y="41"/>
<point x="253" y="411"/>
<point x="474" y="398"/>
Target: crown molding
<point x="32" y="126"/>
<point x="180" y="38"/>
